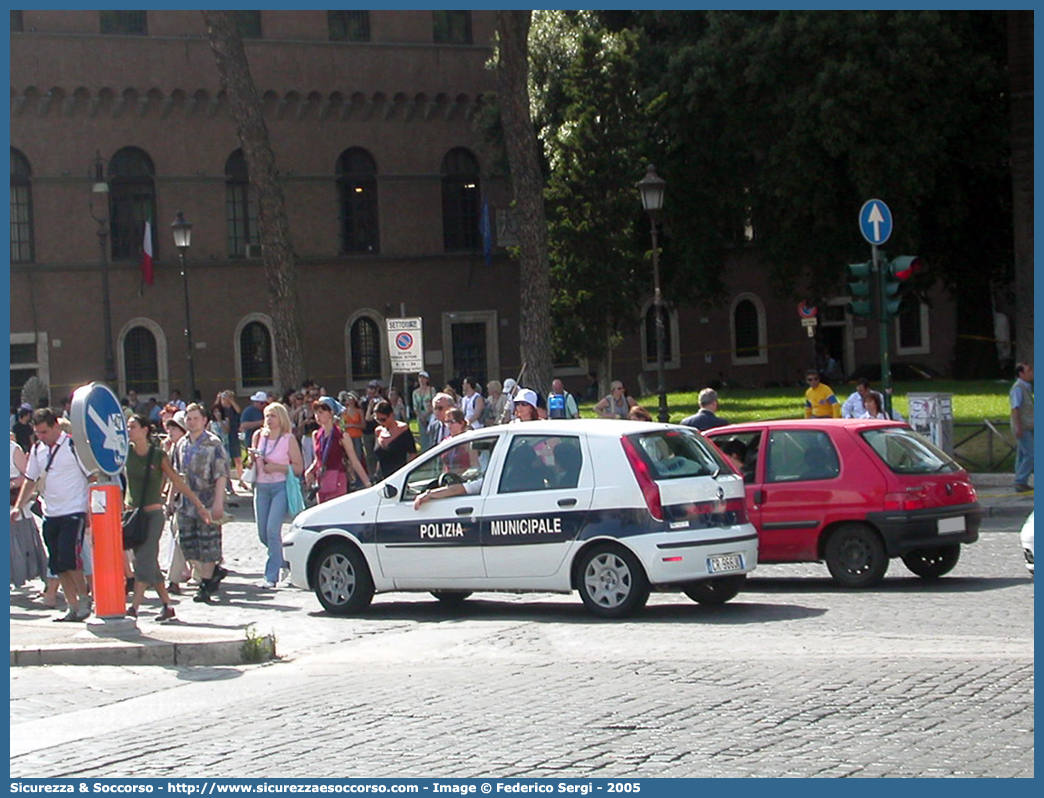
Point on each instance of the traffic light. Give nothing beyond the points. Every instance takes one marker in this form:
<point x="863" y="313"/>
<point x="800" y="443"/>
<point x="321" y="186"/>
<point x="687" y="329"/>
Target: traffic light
<point x="859" y="286"/>
<point x="896" y="272"/>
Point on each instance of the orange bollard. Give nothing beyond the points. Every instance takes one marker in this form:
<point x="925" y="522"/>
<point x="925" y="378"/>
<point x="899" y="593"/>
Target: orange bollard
<point x="107" y="529"/>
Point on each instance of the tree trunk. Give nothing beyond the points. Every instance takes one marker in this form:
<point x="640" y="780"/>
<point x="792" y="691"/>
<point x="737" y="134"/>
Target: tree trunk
<point x="273" y="225"/>
<point x="524" y="157"/>
<point x="1020" y="64"/>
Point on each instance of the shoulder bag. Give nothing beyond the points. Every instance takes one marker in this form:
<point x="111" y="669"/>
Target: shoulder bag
<point x="135" y="525"/>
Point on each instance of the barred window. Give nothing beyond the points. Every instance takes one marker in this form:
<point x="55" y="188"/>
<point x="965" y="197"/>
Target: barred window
<point x="128" y="23"/>
<point x="21" y="209"/>
<point x="141" y="361"/>
<point x="348" y="26"/>
<point x="132" y="200"/>
<point x="357" y="192"/>
<point x="255" y="356"/>
<point x="240" y="206"/>
<point x="460" y="200"/>
<point x="452" y="27"/>
<point x="366" y="350"/>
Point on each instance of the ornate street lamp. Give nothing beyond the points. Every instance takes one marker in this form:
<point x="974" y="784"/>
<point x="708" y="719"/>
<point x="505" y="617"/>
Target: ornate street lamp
<point x="100" y="189"/>
<point x="652" y="188"/>
<point x="182" y="231"/>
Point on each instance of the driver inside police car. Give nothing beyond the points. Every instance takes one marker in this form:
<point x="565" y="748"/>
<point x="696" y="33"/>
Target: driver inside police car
<point x="446" y="491"/>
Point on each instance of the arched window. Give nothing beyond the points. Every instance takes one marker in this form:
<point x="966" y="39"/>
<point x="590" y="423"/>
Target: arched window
<point x="357" y="195"/>
<point x="650" y="334"/>
<point x="21" y="209"/>
<point x="240" y="207"/>
<point x="670" y="337"/>
<point x="255" y="356"/>
<point x="365" y="345"/>
<point x="132" y="200"/>
<point x="141" y="361"/>
<point x="747" y="320"/>
<point x="460" y="200"/>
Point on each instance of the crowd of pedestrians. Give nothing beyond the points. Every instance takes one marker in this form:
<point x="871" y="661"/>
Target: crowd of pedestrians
<point x="184" y="459"/>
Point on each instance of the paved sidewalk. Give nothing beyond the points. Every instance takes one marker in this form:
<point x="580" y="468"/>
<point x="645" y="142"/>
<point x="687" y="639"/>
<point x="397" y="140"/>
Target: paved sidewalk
<point x="246" y="618"/>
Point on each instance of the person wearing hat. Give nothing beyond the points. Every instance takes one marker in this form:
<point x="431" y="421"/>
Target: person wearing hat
<point x="331" y="448"/>
<point x="525" y="406"/>
<point x="253" y="417"/>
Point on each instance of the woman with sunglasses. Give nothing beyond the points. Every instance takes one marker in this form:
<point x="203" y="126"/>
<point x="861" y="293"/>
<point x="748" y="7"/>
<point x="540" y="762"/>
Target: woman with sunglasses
<point x="617" y="404"/>
<point x="393" y="444"/>
<point x="331" y="448"/>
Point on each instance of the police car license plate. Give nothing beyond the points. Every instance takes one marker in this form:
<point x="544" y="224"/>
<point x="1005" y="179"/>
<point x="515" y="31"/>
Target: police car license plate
<point x="724" y="563"/>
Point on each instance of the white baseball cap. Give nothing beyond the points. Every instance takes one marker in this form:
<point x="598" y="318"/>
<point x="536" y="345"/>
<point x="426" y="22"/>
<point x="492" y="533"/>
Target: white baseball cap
<point x="260" y="396"/>
<point x="527" y="396"/>
<point x="509" y="385"/>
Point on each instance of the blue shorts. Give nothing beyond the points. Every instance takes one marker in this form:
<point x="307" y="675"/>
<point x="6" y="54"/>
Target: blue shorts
<point x="63" y="535"/>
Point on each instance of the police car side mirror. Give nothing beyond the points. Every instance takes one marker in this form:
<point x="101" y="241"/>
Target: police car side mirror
<point x="390" y="491"/>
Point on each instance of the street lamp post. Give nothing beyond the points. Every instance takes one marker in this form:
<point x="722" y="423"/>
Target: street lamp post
<point x="652" y="188"/>
<point x="101" y="187"/>
<point x="182" y="231"/>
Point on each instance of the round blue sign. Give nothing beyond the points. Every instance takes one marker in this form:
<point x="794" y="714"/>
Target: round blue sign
<point x="99" y="428"/>
<point x="875" y="221"/>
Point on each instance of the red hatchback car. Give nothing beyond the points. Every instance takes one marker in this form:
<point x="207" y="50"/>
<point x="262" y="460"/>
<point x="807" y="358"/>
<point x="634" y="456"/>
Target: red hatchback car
<point x="853" y="492"/>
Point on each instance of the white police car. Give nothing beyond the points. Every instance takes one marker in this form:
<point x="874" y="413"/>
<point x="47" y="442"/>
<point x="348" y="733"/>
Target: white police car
<point x="609" y="508"/>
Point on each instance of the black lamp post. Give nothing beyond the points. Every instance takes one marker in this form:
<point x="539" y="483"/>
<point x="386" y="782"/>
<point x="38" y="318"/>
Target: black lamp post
<point x="652" y="188"/>
<point x="101" y="188"/>
<point x="182" y="231"/>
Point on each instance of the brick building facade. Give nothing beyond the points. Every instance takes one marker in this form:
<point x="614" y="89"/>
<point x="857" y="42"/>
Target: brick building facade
<point x="371" y="117"/>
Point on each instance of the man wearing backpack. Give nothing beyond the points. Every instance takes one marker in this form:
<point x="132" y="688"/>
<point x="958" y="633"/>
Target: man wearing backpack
<point x="560" y="403"/>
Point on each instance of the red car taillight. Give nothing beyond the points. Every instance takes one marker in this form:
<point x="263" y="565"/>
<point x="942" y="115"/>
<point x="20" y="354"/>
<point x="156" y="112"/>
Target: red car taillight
<point x="650" y="490"/>
<point x="904" y="501"/>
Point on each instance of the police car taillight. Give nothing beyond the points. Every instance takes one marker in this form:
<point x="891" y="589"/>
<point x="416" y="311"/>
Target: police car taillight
<point x="650" y="490"/>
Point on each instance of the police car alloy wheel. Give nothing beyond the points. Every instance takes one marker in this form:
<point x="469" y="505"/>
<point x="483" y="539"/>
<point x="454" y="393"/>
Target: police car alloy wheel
<point x="934" y="562"/>
<point x="612" y="582"/>
<point x="342" y="580"/>
<point x="716" y="591"/>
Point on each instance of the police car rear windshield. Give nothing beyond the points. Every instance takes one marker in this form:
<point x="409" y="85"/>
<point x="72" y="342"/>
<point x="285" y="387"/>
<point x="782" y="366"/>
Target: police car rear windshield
<point x="906" y="452"/>
<point x="673" y="454"/>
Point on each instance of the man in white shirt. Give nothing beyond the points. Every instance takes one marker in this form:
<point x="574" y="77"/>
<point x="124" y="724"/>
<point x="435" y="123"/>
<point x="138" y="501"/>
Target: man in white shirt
<point x="64" y="495"/>
<point x="853" y="406"/>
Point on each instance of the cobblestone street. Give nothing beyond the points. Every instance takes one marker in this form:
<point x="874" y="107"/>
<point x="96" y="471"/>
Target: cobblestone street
<point x="793" y="678"/>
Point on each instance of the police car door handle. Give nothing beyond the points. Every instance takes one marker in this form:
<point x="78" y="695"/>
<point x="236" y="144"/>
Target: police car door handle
<point x="465" y="510"/>
<point x="567" y="502"/>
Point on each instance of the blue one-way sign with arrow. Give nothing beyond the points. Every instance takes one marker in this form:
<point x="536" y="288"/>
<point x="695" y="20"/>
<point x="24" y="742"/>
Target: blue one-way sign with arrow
<point x="875" y="221"/>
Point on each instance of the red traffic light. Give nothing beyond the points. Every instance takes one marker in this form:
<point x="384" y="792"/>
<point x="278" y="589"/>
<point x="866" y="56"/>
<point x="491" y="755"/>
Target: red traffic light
<point x="906" y="266"/>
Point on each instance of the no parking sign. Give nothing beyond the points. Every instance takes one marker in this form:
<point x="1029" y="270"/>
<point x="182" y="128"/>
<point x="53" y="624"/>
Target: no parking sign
<point x="405" y="345"/>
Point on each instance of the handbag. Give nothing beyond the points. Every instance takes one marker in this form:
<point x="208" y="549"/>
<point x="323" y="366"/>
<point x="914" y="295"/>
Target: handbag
<point x="249" y="474"/>
<point x="135" y="525"/>
<point x="295" y="502"/>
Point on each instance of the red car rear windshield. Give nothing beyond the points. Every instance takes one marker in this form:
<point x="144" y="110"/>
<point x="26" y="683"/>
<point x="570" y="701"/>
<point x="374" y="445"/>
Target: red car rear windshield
<point x="906" y="452"/>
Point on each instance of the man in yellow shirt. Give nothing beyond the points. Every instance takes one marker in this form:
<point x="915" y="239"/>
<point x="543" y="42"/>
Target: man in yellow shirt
<point x="820" y="401"/>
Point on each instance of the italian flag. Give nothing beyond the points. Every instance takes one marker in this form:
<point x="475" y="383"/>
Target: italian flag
<point x="146" y="253"/>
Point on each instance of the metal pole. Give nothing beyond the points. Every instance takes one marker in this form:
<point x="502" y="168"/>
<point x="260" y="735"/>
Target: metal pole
<point x="110" y="360"/>
<point x="661" y="389"/>
<point x="882" y="329"/>
<point x="188" y="329"/>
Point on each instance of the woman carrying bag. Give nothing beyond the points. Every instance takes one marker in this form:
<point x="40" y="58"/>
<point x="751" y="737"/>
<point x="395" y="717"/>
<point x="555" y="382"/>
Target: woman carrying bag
<point x="331" y="448"/>
<point x="147" y="464"/>
<point x="277" y="455"/>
